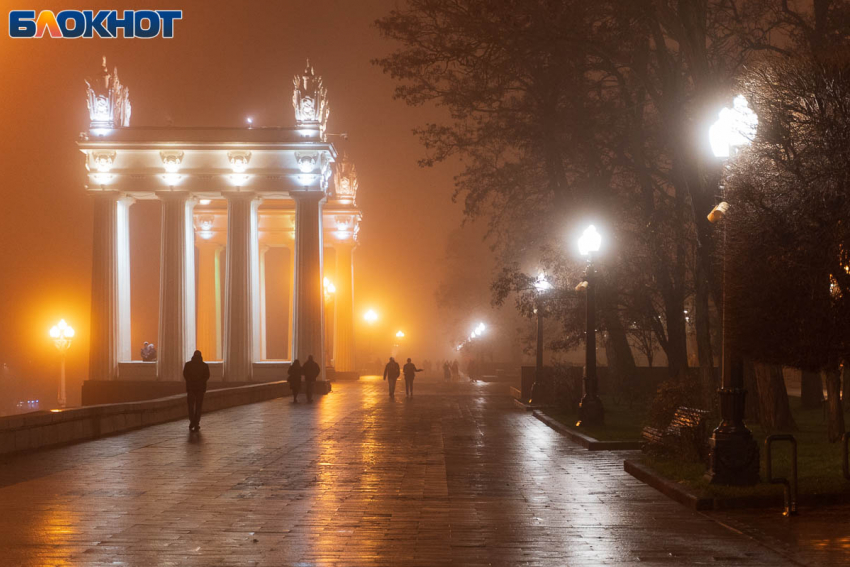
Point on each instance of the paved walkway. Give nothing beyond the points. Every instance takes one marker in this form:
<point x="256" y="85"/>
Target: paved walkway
<point x="455" y="476"/>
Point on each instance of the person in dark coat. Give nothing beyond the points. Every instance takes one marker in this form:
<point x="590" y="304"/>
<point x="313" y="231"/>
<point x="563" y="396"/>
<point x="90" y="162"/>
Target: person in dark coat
<point x="410" y="371"/>
<point x="311" y="371"/>
<point x="294" y="379"/>
<point x="391" y="374"/>
<point x="196" y="373"/>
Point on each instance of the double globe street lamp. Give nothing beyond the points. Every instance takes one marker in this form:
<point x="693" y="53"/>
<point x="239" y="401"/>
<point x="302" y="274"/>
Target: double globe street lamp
<point x="734" y="454"/>
<point x="590" y="410"/>
<point x="541" y="286"/>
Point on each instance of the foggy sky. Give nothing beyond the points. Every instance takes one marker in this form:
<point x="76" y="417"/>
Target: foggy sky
<point x="228" y="60"/>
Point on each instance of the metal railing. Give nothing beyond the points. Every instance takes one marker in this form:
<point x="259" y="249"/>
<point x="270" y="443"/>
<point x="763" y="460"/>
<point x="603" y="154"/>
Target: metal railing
<point x="845" y="462"/>
<point x="790" y="488"/>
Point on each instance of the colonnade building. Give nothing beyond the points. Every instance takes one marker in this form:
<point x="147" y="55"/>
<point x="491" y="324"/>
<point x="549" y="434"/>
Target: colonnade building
<point x="228" y="197"/>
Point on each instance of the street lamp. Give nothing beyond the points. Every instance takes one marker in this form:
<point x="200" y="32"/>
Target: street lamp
<point x="590" y="410"/>
<point x="62" y="334"/>
<point x="400" y="335"/>
<point x="734" y="454"/>
<point x="541" y="285"/>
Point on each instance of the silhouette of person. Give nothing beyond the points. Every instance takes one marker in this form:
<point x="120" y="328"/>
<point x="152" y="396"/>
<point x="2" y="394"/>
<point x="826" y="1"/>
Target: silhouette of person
<point x="455" y="371"/>
<point x="196" y="372"/>
<point x="391" y="374"/>
<point x="294" y="379"/>
<point x="410" y="371"/>
<point x="447" y="372"/>
<point x="311" y="371"/>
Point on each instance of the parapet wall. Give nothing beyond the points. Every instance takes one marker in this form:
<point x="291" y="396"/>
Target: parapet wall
<point x="45" y="429"/>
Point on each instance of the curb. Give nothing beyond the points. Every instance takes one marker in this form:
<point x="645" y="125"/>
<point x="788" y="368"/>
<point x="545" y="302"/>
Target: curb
<point x="585" y="441"/>
<point x="684" y="495"/>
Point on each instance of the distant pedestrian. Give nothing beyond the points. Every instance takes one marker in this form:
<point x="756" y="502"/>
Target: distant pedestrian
<point x="311" y="371"/>
<point x="455" y="371"/>
<point x="447" y="372"/>
<point x="196" y="372"/>
<point x="391" y="374"/>
<point x="410" y="371"/>
<point x="294" y="379"/>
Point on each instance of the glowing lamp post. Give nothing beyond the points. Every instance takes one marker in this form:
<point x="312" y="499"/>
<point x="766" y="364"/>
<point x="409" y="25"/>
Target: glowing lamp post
<point x="590" y="410"/>
<point x="541" y="286"/>
<point x="62" y="334"/>
<point x="371" y="317"/>
<point x="734" y="454"/>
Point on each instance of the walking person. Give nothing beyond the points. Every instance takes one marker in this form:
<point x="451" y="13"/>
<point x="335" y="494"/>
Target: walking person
<point x="294" y="379"/>
<point x="196" y="373"/>
<point x="391" y="374"/>
<point x="447" y="372"/>
<point x="311" y="371"/>
<point x="410" y="371"/>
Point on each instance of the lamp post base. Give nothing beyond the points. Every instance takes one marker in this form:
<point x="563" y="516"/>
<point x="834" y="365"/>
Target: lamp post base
<point x="590" y="411"/>
<point x="733" y="453"/>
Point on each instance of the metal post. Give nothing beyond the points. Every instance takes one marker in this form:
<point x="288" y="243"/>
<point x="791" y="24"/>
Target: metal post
<point x="734" y="454"/>
<point x="537" y="387"/>
<point x="62" y="399"/>
<point x="790" y="488"/>
<point x="591" y="411"/>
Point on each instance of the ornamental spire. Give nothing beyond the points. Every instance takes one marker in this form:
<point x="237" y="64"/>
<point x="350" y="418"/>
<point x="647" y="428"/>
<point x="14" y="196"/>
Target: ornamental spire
<point x="310" y="100"/>
<point x="108" y="100"/>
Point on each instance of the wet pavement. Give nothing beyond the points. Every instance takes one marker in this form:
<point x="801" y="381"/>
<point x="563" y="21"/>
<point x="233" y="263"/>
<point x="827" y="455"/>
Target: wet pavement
<point x="455" y="476"/>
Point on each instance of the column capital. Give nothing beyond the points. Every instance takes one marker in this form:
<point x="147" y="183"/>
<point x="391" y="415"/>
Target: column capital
<point x="307" y="195"/>
<point x="241" y="196"/>
<point x="174" y="196"/>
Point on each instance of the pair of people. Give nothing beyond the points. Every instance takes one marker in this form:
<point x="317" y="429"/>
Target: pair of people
<point x="391" y="374"/>
<point x="310" y="371"/>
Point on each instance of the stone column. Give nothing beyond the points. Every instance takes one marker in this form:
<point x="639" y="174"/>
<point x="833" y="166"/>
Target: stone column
<point x="262" y="285"/>
<point x="110" y="290"/>
<point x="241" y="302"/>
<point x="309" y="295"/>
<point x="290" y="290"/>
<point x="344" y="322"/>
<point x="176" y="285"/>
<point x="209" y="300"/>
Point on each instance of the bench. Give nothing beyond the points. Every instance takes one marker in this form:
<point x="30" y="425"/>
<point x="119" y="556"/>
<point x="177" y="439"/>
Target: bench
<point x="685" y="435"/>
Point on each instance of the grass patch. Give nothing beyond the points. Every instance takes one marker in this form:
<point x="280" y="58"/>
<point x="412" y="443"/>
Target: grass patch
<point x="818" y="462"/>
<point x="623" y="422"/>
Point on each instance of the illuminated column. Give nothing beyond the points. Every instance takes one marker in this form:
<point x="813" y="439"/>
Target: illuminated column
<point x="241" y="302"/>
<point x="176" y="285"/>
<point x="262" y="285"/>
<point x="110" y="295"/>
<point x="344" y="299"/>
<point x="290" y="290"/>
<point x="209" y="300"/>
<point x="309" y="294"/>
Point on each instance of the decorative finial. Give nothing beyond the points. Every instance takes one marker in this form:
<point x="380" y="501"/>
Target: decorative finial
<point x="108" y="101"/>
<point x="345" y="179"/>
<point x="310" y="100"/>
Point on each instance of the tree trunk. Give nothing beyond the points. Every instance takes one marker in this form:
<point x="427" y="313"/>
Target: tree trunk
<point x="836" y="413"/>
<point x="751" y="385"/>
<point x="621" y="360"/>
<point x="845" y="378"/>
<point x="811" y="389"/>
<point x="774" y="410"/>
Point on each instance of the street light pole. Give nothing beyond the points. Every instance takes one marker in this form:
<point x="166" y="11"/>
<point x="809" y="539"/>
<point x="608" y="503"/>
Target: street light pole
<point x="62" y="334"/>
<point x="540" y="285"/>
<point x="590" y="409"/>
<point x="734" y="454"/>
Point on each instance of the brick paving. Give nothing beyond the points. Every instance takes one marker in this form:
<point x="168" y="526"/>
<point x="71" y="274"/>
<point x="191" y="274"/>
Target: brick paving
<point x="456" y="476"/>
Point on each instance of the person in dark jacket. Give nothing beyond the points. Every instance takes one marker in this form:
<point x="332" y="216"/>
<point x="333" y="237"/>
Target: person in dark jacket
<point x="196" y="373"/>
<point x="410" y="371"/>
<point x="311" y="371"/>
<point x="294" y="379"/>
<point x="391" y="373"/>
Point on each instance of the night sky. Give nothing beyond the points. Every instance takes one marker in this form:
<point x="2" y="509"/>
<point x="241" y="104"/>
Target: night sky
<point x="228" y="60"/>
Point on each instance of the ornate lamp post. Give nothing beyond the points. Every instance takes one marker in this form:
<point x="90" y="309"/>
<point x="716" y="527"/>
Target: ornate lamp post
<point x="62" y="334"/>
<point x="371" y="317"/>
<point x="590" y="410"/>
<point x="541" y="285"/>
<point x="734" y="454"/>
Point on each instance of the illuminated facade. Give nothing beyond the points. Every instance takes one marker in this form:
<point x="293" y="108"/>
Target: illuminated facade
<point x="228" y="196"/>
